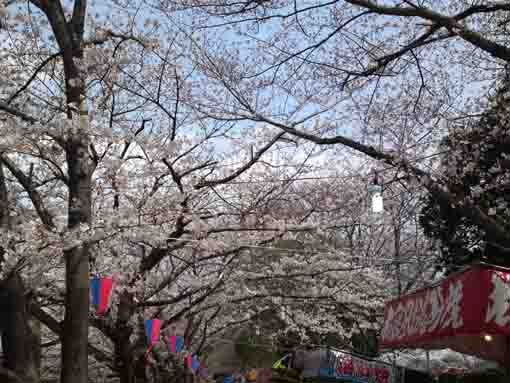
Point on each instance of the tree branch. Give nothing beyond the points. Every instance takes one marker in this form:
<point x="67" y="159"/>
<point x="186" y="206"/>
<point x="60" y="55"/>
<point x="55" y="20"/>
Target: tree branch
<point x="34" y="75"/>
<point x="450" y="23"/>
<point x="56" y="327"/>
<point x="34" y="195"/>
<point x="243" y="168"/>
<point x="491" y="226"/>
<point x="15" y="112"/>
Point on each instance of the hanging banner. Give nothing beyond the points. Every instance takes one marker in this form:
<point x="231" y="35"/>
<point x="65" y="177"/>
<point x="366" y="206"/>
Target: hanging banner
<point x="356" y="369"/>
<point x="192" y="363"/>
<point x="100" y="290"/>
<point x="175" y="343"/>
<point x="343" y="366"/>
<point x="467" y="312"/>
<point x="152" y="327"/>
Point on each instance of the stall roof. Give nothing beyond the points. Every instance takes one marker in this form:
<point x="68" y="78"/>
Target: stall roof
<point x="468" y="312"/>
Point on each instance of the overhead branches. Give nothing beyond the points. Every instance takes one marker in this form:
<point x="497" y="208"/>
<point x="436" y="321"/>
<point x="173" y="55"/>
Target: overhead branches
<point x="28" y="185"/>
<point x="236" y="173"/>
<point x="450" y="23"/>
<point x="39" y="68"/>
<point x="57" y="328"/>
<point x="492" y="227"/>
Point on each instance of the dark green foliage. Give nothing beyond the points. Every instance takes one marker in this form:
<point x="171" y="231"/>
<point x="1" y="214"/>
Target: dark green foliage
<point x="476" y="167"/>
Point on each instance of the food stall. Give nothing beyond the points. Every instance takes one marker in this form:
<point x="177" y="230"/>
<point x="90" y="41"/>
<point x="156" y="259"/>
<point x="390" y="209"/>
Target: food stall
<point x="468" y="312"/>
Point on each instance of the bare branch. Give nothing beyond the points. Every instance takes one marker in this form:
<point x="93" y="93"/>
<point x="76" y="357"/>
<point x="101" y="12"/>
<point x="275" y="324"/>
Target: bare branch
<point x="32" y="192"/>
<point x="492" y="227"/>
<point x="33" y="76"/>
<point x="451" y="23"/>
<point x="17" y="113"/>
<point x="242" y="169"/>
<point x="56" y="327"/>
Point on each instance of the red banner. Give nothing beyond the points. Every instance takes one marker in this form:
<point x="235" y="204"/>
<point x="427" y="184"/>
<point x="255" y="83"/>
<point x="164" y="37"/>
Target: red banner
<point x="468" y="312"/>
<point x="360" y="370"/>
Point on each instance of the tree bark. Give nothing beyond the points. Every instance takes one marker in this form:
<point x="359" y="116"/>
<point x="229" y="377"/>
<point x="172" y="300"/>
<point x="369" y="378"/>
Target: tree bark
<point x="69" y="37"/>
<point x="139" y="370"/>
<point x="76" y="324"/>
<point x="124" y="362"/>
<point x="20" y="338"/>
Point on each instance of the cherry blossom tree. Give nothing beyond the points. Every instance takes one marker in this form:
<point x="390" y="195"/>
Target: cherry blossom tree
<point x="131" y="147"/>
<point x="383" y="80"/>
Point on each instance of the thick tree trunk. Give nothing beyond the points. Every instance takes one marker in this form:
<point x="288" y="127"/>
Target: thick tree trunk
<point x="76" y="324"/>
<point x="75" y="334"/>
<point x="139" y="370"/>
<point x="20" y="340"/>
<point x="68" y="33"/>
<point x="124" y="362"/>
<point x="34" y="349"/>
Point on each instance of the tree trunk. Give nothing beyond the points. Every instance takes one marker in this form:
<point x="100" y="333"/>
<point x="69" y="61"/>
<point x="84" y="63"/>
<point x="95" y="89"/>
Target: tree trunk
<point x="68" y="33"/>
<point x="75" y="334"/>
<point x="34" y="348"/>
<point x="20" y="341"/>
<point x="139" y="370"/>
<point x="76" y="324"/>
<point x="124" y="362"/>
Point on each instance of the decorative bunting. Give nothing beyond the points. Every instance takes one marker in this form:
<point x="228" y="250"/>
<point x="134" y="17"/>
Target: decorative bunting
<point x="176" y="342"/>
<point x="100" y="290"/>
<point x="152" y="327"/>
<point x="192" y="362"/>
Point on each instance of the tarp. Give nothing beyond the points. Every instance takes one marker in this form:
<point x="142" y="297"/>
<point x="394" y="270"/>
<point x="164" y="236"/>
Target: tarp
<point x="467" y="312"/>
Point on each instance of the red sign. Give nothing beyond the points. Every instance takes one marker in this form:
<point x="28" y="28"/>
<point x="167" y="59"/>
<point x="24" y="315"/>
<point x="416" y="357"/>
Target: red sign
<point x="365" y="370"/>
<point x="459" y="313"/>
